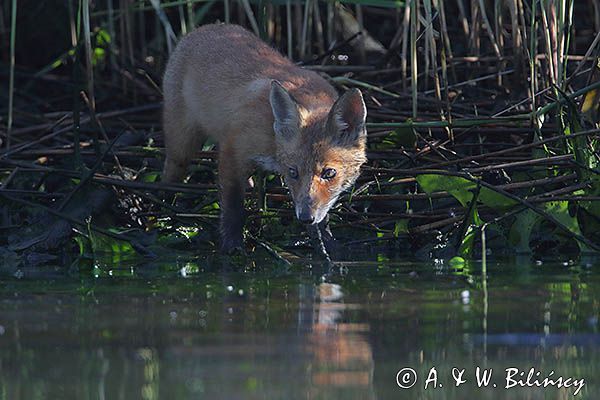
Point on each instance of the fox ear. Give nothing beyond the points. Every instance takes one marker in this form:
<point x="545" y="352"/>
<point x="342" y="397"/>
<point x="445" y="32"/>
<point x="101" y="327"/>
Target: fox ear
<point x="347" y="117"/>
<point x="285" y="111"/>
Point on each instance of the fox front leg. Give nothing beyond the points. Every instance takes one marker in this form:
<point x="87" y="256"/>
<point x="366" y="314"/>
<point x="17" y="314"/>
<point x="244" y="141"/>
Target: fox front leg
<point x="232" y="189"/>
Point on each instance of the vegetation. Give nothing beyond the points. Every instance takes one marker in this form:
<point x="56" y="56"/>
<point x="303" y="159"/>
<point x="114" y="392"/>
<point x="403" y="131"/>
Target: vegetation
<point x="483" y="127"/>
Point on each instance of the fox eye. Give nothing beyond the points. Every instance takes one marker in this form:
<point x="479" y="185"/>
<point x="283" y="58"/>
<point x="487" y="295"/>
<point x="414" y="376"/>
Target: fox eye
<point x="293" y="172"/>
<point x="328" y="173"/>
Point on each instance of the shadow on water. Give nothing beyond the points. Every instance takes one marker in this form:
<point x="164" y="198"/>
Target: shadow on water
<point x="179" y="329"/>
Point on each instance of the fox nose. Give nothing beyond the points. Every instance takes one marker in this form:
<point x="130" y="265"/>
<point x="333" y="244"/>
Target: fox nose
<point x="306" y="218"/>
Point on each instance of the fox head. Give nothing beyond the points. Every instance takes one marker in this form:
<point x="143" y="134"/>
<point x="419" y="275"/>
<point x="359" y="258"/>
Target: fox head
<point x="319" y="152"/>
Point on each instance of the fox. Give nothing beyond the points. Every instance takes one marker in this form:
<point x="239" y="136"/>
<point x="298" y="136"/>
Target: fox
<point x="224" y="83"/>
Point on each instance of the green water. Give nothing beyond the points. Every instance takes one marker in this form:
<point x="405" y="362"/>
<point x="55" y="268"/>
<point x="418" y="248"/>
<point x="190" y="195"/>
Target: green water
<point x="176" y="331"/>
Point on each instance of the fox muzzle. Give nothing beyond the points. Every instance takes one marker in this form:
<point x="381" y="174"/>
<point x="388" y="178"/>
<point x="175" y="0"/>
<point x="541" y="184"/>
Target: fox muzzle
<point x="305" y="212"/>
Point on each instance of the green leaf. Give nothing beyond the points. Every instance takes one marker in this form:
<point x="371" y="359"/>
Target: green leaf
<point x="457" y="262"/>
<point x="102" y="37"/>
<point x="495" y="200"/>
<point x="593" y="207"/>
<point x="560" y="211"/>
<point x="98" y="56"/>
<point x="150" y="177"/>
<point x="401" y="137"/>
<point x="401" y="226"/>
<point x="520" y="231"/>
<point x="458" y="187"/>
<point x="462" y="190"/>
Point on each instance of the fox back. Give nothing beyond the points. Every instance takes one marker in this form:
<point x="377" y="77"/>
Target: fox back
<point x="224" y="83"/>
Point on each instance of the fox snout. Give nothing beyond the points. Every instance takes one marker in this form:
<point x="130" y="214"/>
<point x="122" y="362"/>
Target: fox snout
<point x="309" y="211"/>
<point x="305" y="214"/>
<point x="306" y="218"/>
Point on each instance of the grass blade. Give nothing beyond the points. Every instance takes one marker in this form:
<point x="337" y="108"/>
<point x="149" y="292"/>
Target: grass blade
<point x="11" y="79"/>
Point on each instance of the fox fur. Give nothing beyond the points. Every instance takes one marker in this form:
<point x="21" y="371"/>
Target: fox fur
<point x="223" y="82"/>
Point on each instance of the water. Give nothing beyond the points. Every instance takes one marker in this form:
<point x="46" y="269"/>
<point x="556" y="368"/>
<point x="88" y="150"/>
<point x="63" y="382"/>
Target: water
<point x="175" y="331"/>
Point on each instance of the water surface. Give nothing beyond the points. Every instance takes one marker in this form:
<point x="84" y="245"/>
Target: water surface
<point x="177" y="330"/>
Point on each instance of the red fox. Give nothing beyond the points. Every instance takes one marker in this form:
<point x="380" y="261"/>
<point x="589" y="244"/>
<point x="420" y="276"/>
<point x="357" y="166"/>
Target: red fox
<point x="223" y="82"/>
